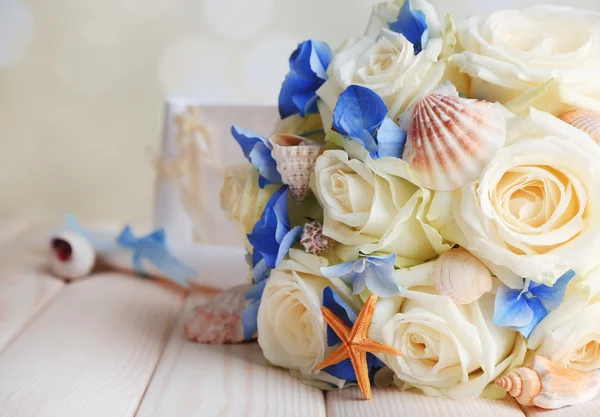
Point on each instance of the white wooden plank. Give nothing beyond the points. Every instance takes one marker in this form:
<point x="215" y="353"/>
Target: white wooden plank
<point x="582" y="410"/>
<point x="25" y="286"/>
<point x="91" y="353"/>
<point x="207" y="380"/>
<point x="391" y="401"/>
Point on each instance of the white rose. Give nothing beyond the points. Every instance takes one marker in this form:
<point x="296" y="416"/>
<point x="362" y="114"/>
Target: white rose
<point x="570" y="335"/>
<point x="291" y="328"/>
<point x="242" y="199"/>
<point x="375" y="206"/>
<point x="386" y="65"/>
<point x="535" y="211"/>
<point x="513" y="51"/>
<point x="448" y="350"/>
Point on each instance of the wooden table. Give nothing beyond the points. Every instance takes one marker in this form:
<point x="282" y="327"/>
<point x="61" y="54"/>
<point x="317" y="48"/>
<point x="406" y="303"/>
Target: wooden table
<point x="113" y="346"/>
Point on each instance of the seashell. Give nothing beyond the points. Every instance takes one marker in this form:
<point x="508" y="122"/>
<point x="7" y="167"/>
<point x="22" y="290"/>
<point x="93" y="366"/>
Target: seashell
<point x="450" y="139"/>
<point x="461" y="276"/>
<point x="584" y="120"/>
<point x="219" y="321"/>
<point x="549" y="385"/>
<point x="295" y="157"/>
<point x="71" y="255"/>
<point x="313" y="239"/>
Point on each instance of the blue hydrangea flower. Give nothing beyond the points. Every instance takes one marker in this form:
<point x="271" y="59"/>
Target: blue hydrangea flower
<point x="360" y="116"/>
<point x="344" y="369"/>
<point x="272" y="236"/>
<point x="522" y="310"/>
<point x="308" y="71"/>
<point x="373" y="272"/>
<point x="257" y="150"/>
<point x="413" y="25"/>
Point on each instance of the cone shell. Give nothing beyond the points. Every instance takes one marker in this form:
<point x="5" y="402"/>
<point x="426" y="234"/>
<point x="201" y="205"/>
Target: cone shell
<point x="584" y="120"/>
<point x="220" y="320"/>
<point x="546" y="384"/>
<point x="313" y="239"/>
<point x="461" y="276"/>
<point x="295" y="157"/>
<point x="71" y="256"/>
<point x="451" y="139"/>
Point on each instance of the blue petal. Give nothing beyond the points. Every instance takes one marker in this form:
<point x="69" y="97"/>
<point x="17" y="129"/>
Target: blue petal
<point x="308" y="71"/>
<point x="260" y="270"/>
<point x="551" y="297"/>
<point x="257" y="150"/>
<point x="391" y="139"/>
<point x="343" y="370"/>
<point x="280" y="207"/>
<point x="250" y="320"/>
<point x="358" y="281"/>
<point x="511" y="309"/>
<point x="337" y="271"/>
<point x="255" y="293"/>
<point x="413" y="25"/>
<point x="380" y="281"/>
<point x="287" y="242"/>
<point x="539" y="312"/>
<point x="358" y="109"/>
<point x="341" y="309"/>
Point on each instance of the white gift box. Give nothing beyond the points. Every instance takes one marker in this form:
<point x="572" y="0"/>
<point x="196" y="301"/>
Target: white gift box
<point x="196" y="148"/>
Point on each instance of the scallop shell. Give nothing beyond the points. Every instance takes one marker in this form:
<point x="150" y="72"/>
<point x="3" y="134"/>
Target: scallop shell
<point x="219" y="321"/>
<point x="451" y="139"/>
<point x="461" y="276"/>
<point x="71" y="255"/>
<point x="295" y="157"/>
<point x="546" y="384"/>
<point x="313" y="239"/>
<point x="584" y="120"/>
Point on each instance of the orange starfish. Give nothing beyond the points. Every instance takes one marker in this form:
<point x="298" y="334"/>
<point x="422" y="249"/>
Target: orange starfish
<point x="356" y="344"/>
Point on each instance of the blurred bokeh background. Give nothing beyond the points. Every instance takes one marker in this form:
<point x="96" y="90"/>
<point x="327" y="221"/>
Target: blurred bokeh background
<point x="82" y="84"/>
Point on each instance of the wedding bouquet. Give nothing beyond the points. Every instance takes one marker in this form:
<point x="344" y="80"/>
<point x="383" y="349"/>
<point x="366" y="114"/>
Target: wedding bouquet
<point x="427" y="212"/>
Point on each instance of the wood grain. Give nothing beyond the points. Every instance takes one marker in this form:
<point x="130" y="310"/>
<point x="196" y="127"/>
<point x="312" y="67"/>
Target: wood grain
<point x="91" y="352"/>
<point x="205" y="380"/>
<point x="392" y="402"/>
<point x="25" y="285"/>
<point x="591" y="408"/>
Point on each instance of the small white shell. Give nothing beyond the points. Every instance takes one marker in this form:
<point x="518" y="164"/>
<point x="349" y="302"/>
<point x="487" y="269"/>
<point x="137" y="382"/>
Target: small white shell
<point x="584" y="120"/>
<point x="451" y="139"/>
<point x="461" y="276"/>
<point x="71" y="255"/>
<point x="295" y="157"/>
<point x="220" y="320"/>
<point x="546" y="384"/>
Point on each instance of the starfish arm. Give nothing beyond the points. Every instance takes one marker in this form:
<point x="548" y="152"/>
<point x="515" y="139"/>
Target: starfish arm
<point x="359" y="362"/>
<point x="362" y="323"/>
<point x="372" y="346"/>
<point x="336" y="324"/>
<point x="338" y="355"/>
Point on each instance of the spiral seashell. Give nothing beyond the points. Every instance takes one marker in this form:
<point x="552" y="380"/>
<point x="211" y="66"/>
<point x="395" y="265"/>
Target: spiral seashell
<point x="220" y="320"/>
<point x="313" y="239"/>
<point x="584" y="120"/>
<point x="71" y="256"/>
<point x="546" y="384"/>
<point x="461" y="276"/>
<point x="295" y="157"/>
<point x="451" y="139"/>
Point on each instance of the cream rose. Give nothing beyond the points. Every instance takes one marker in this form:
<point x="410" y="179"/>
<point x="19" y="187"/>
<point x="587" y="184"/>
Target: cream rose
<point x="513" y="51"/>
<point x="375" y="206"/>
<point x="388" y="66"/>
<point x="448" y="350"/>
<point x="535" y="211"/>
<point x="291" y="328"/>
<point x="570" y="335"/>
<point x="242" y="199"/>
